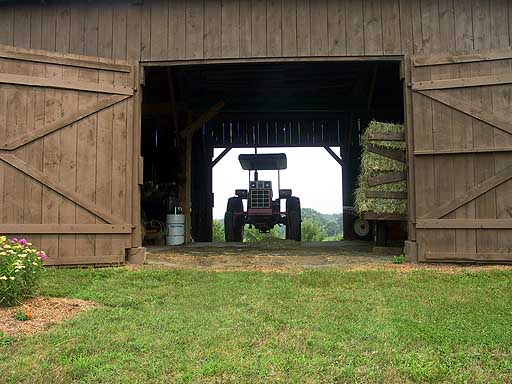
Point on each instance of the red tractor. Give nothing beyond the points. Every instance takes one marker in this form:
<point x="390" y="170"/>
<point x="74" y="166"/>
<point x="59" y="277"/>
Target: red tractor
<point x="263" y="211"/>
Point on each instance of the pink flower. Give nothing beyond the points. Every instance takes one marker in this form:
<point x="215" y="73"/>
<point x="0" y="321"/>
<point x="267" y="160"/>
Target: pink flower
<point x="23" y="242"/>
<point x="14" y="240"/>
<point x="42" y="255"/>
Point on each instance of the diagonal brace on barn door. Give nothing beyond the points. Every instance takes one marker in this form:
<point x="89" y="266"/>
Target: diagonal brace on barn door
<point x="495" y="119"/>
<point x="472" y="194"/>
<point x="48" y="182"/>
<point x="61" y="123"/>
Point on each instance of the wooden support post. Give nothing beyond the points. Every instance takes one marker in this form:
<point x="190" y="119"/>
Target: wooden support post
<point x="188" y="183"/>
<point x="172" y="105"/>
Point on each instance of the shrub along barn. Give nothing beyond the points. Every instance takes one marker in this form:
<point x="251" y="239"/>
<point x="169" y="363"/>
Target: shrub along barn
<point x="74" y="125"/>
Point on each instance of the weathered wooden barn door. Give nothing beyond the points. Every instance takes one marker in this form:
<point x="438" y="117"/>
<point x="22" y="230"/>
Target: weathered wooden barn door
<point x="462" y="126"/>
<point x="67" y="172"/>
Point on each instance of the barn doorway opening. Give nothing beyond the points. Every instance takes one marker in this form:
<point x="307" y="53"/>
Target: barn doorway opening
<point x="194" y="115"/>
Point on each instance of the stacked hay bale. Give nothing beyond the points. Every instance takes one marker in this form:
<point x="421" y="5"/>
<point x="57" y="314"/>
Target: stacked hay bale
<point x="382" y="161"/>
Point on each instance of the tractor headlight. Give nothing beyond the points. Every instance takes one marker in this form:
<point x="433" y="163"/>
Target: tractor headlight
<point x="285" y="193"/>
<point x="242" y="193"/>
<point x="268" y="184"/>
<point x="253" y="184"/>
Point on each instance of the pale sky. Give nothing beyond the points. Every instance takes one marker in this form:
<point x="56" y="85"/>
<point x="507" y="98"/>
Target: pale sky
<point x="312" y="174"/>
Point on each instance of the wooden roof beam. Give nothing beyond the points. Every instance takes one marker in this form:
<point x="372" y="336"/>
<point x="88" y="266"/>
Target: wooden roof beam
<point x="191" y="128"/>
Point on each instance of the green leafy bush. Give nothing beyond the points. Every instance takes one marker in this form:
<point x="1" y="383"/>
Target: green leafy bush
<point x="218" y="231"/>
<point x="20" y="267"/>
<point x="400" y="259"/>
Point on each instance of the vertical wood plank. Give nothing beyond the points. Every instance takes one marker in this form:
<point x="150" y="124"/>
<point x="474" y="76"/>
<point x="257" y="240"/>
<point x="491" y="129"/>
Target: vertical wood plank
<point x="245" y="28"/>
<point x="34" y="151"/>
<point x="119" y="166"/>
<point x="133" y="38"/>
<point x="355" y="30"/>
<point x="159" y="29"/>
<point x="220" y="26"/>
<point x="48" y="28"/>
<point x="145" y="34"/>
<point x="51" y="160"/>
<point x="289" y="28"/>
<point x="502" y="103"/>
<point x="177" y="28"/>
<point x="372" y="27"/>
<point x="36" y="27"/>
<point x="22" y="26"/>
<point x="423" y="139"/>
<point x="337" y="27"/>
<point x="274" y="28"/>
<point x="55" y="28"/>
<point x="119" y="30"/>
<point x="87" y="134"/>
<point x="463" y="26"/>
<point x="105" y="33"/>
<point x="406" y="37"/>
<point x="230" y="17"/>
<point x="319" y="33"/>
<point x="500" y="29"/>
<point x="105" y="150"/>
<point x="68" y="163"/>
<point x="91" y="30"/>
<point x="464" y="177"/>
<point x="132" y="161"/>
<point x="417" y="36"/>
<point x="63" y="29"/>
<point x="483" y="133"/>
<point x="303" y="28"/>
<point x="391" y="33"/>
<point x="194" y="33"/>
<point x="259" y="28"/>
<point x="86" y="162"/>
<point x="7" y="25"/>
<point x="17" y="120"/>
<point x="3" y="135"/>
<point x="136" y="236"/>
<point x="443" y="19"/>
<point x="77" y="29"/>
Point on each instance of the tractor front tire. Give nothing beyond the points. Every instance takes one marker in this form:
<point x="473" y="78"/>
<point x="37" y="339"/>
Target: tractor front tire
<point x="234" y="220"/>
<point x="293" y="216"/>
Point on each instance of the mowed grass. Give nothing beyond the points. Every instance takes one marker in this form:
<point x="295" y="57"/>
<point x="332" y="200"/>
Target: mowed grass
<point x="180" y="326"/>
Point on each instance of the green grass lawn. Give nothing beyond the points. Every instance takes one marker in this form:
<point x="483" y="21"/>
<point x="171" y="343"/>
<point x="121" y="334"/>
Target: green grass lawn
<point x="167" y="326"/>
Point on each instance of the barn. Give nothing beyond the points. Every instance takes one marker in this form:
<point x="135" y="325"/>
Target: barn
<point x="87" y="86"/>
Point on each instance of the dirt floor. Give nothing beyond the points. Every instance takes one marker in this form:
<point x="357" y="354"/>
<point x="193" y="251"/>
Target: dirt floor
<point x="43" y="311"/>
<point x="283" y="255"/>
<point x="275" y="255"/>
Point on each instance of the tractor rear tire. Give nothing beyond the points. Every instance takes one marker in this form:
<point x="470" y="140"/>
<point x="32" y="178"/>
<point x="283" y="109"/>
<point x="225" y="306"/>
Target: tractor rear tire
<point x="234" y="220"/>
<point x="293" y="216"/>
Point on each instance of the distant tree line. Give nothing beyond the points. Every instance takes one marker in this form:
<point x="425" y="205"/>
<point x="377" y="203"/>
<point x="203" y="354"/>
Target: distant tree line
<point x="316" y="226"/>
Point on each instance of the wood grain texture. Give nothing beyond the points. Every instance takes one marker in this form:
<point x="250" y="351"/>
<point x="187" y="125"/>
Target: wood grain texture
<point x="58" y="167"/>
<point x="220" y="38"/>
<point x="172" y="30"/>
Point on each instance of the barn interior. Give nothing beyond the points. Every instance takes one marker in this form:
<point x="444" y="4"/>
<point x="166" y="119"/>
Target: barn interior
<point x="189" y="110"/>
